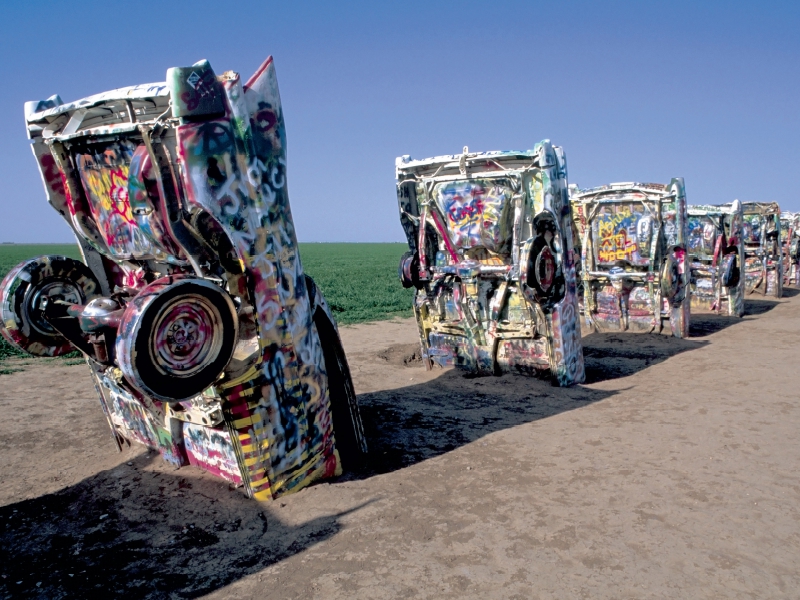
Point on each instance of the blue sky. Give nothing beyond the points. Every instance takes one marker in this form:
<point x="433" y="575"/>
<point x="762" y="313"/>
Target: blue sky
<point x="640" y="91"/>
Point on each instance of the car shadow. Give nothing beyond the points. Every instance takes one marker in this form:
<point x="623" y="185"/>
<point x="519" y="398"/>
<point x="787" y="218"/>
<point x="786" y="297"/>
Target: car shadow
<point x="407" y="425"/>
<point x="620" y="354"/>
<point x="704" y="324"/>
<point x="754" y="306"/>
<point x="138" y="533"/>
<point x="143" y="531"/>
<point x="414" y="423"/>
<point x="789" y="292"/>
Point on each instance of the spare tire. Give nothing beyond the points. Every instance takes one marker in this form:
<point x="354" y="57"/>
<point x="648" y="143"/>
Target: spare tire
<point x="542" y="273"/>
<point x="408" y="271"/>
<point x="670" y="277"/>
<point x="730" y="271"/>
<point x="176" y="337"/>
<point x="348" y="429"/>
<point x="53" y="277"/>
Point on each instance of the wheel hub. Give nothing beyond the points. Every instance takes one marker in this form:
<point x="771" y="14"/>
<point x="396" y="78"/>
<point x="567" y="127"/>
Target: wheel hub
<point x="187" y="336"/>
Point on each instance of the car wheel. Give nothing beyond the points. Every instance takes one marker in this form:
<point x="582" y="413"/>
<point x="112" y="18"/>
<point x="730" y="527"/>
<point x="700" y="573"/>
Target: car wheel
<point x="679" y="319"/>
<point x="52" y="277"/>
<point x="347" y="428"/>
<point x="670" y="277"/>
<point x="408" y="271"/>
<point x="730" y="271"/>
<point x="176" y="337"/>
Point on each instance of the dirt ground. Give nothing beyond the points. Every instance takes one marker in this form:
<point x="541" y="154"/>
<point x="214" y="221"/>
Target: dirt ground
<point x="672" y="473"/>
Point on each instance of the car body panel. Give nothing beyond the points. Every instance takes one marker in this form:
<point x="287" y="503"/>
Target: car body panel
<point x="629" y="233"/>
<point x="763" y="260"/>
<point x="790" y="247"/>
<point x="186" y="180"/>
<point x="715" y="249"/>
<point x="478" y="226"/>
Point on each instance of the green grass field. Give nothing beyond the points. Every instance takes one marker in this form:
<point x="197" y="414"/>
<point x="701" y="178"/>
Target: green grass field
<point x="358" y="280"/>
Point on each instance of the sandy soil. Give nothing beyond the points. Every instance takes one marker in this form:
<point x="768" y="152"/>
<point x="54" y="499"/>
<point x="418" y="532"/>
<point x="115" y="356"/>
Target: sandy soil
<point x="673" y="473"/>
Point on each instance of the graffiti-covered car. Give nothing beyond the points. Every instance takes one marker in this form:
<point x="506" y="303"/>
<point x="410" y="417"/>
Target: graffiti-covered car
<point x="205" y="339"/>
<point x="790" y="246"/>
<point x="491" y="258"/>
<point x="762" y="248"/>
<point x="716" y="256"/>
<point x="634" y="266"/>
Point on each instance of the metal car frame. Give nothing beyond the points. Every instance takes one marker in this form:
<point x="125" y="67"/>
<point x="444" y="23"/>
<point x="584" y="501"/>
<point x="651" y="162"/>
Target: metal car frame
<point x="762" y="248"/>
<point x="491" y="258"/>
<point x="634" y="266"/>
<point x="205" y="339"/>
<point x="716" y="255"/>
<point x="790" y="247"/>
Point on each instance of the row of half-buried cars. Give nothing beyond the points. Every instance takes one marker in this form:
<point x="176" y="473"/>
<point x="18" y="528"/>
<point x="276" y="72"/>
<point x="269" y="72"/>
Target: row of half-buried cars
<point x="208" y="343"/>
<point x="505" y="256"/>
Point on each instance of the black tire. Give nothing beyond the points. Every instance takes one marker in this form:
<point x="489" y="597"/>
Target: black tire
<point x="546" y="291"/>
<point x="22" y="321"/>
<point x="669" y="277"/>
<point x="347" y="428"/>
<point x="145" y="359"/>
<point x="408" y="270"/>
<point x="730" y="272"/>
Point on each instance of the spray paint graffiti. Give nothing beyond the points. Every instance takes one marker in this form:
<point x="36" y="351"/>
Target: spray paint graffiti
<point x="104" y="174"/>
<point x="177" y="193"/>
<point x="623" y="232"/>
<point x="761" y="232"/>
<point x="474" y="212"/>
<point x="491" y="255"/>
<point x="634" y="266"/>
<point x="716" y="250"/>
<point x="790" y="247"/>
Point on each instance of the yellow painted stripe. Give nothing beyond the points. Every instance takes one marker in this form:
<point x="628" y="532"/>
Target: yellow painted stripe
<point x="250" y="462"/>
<point x="263" y="495"/>
<point x="251" y="420"/>
<point x="251" y="373"/>
<point x="259" y="483"/>
<point x="255" y="447"/>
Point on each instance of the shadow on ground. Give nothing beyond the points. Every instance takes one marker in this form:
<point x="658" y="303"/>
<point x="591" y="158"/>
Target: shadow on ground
<point x="142" y="534"/>
<point x="408" y="425"/>
<point x="754" y="306"/>
<point x="703" y="324"/>
<point x="613" y="355"/>
<point x="790" y="292"/>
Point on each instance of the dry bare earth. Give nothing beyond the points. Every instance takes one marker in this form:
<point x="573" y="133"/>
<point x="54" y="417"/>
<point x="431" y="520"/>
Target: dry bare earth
<point x="673" y="473"/>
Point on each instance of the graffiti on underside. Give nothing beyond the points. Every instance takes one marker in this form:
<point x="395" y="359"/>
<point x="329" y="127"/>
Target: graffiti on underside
<point x="622" y="232"/>
<point x="474" y="212"/>
<point x="104" y="173"/>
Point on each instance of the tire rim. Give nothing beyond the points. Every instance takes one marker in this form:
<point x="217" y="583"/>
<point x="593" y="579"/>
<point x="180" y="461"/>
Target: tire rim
<point x="545" y="268"/>
<point x="188" y="336"/>
<point x="52" y="289"/>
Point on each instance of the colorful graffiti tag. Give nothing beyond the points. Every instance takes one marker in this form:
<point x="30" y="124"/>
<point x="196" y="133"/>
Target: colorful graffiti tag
<point x="474" y="212"/>
<point x="634" y="267"/>
<point x="623" y="233"/>
<point x="716" y="250"/>
<point x="214" y="347"/>
<point x="491" y="255"/>
<point x="761" y="232"/>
